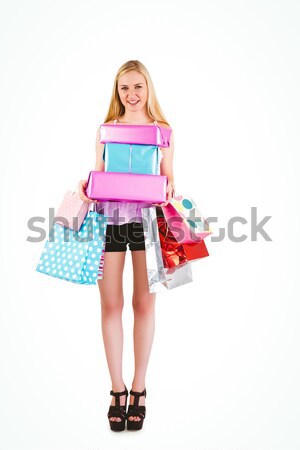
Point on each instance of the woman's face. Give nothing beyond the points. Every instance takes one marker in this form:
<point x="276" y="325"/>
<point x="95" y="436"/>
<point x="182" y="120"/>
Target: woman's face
<point x="133" y="91"/>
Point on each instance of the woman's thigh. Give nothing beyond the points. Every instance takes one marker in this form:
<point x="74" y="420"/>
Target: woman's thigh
<point x="111" y="284"/>
<point x="140" y="278"/>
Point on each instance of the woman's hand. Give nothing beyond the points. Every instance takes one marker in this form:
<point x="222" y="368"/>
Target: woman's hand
<point x="166" y="168"/>
<point x="170" y="194"/>
<point x="82" y="185"/>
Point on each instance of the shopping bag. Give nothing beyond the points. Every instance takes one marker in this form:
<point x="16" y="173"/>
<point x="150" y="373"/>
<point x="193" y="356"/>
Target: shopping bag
<point x="185" y="207"/>
<point x="159" y="277"/>
<point x="174" y="253"/>
<point x="75" y="256"/>
<point x="178" y="276"/>
<point x="178" y="226"/>
<point x="72" y="211"/>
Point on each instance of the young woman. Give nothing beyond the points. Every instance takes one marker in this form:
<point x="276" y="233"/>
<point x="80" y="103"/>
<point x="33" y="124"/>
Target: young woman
<point x="133" y="101"/>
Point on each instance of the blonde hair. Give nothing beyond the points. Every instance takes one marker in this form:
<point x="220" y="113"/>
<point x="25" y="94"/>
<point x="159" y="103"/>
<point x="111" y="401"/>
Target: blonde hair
<point x="116" y="108"/>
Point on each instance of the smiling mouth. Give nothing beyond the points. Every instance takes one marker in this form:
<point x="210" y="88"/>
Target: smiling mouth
<point x="133" y="103"/>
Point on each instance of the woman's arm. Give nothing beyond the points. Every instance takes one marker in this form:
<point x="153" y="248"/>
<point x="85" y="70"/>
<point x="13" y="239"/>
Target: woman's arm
<point x="166" y="168"/>
<point x="99" y="153"/>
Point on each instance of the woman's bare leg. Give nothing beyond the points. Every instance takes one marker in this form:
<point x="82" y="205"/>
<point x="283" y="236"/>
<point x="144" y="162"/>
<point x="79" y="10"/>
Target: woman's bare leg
<point x="112" y="301"/>
<point x="143" y="303"/>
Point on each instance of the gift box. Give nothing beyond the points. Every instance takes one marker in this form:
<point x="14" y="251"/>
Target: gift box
<point x="127" y="187"/>
<point x="136" y="134"/>
<point x="131" y="158"/>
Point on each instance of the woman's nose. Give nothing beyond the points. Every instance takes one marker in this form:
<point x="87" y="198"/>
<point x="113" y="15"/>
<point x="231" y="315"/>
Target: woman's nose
<point x="131" y="93"/>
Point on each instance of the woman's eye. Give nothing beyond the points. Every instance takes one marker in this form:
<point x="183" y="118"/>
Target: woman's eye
<point x="124" y="88"/>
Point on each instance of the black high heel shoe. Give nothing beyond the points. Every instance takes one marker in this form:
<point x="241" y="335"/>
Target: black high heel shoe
<point x="118" y="410"/>
<point x="136" y="410"/>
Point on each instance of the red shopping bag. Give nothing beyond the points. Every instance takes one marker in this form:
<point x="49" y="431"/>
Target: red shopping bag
<point x="174" y="253"/>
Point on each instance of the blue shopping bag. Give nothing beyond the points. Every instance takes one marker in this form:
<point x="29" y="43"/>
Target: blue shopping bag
<point x="76" y="256"/>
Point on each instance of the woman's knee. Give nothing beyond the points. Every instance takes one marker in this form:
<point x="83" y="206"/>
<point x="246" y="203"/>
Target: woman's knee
<point x="112" y="304"/>
<point x="144" y="304"/>
<point x="112" y="308"/>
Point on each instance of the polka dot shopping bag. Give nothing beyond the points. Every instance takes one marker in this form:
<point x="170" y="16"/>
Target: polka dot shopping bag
<point x="76" y="256"/>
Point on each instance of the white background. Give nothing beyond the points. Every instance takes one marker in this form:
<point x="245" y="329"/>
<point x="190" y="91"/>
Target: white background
<point x="224" y="368"/>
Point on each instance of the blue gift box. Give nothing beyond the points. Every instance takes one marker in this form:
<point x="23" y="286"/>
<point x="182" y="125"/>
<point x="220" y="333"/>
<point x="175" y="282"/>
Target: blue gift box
<point x="131" y="158"/>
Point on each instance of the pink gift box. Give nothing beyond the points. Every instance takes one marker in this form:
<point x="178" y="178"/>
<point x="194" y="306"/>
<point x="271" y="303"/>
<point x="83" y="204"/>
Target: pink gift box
<point x="127" y="187"/>
<point x="136" y="134"/>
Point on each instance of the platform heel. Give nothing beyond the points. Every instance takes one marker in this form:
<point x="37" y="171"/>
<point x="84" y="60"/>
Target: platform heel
<point x="117" y="411"/>
<point x="136" y="410"/>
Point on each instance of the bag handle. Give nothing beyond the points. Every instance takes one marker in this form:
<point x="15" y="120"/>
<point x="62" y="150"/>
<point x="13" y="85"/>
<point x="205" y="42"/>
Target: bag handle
<point x="92" y="207"/>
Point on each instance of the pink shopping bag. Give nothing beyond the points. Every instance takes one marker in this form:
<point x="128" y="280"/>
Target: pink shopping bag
<point x="72" y="211"/>
<point x="185" y="220"/>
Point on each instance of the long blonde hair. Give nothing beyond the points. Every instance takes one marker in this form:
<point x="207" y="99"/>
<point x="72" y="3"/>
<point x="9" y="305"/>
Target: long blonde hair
<point x="116" y="108"/>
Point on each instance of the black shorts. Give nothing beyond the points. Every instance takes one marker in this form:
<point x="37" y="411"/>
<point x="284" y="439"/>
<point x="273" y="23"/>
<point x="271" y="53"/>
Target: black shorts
<point x="118" y="236"/>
